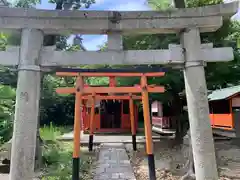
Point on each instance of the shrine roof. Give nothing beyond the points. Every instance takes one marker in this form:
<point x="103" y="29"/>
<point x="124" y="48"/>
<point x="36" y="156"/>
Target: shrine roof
<point x="224" y="93"/>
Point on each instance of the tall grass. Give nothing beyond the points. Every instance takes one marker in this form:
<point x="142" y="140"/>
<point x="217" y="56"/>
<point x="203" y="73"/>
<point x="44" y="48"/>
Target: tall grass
<point x="50" y="133"/>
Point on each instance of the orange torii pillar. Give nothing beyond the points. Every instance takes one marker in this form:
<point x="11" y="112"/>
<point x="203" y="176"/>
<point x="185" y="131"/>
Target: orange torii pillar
<point x="132" y="119"/>
<point x="84" y="113"/>
<point x="77" y="128"/>
<point x="92" y="116"/>
<point x="148" y="129"/>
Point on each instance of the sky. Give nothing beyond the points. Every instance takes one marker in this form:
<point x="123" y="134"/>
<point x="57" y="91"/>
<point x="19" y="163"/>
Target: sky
<point x="92" y="42"/>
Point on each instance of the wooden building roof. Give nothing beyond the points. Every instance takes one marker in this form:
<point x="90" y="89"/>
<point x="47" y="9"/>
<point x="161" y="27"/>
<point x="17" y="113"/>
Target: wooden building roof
<point x="224" y="93"/>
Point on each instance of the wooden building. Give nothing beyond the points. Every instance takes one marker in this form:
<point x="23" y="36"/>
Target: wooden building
<point x="110" y="116"/>
<point x="160" y="123"/>
<point x="224" y="108"/>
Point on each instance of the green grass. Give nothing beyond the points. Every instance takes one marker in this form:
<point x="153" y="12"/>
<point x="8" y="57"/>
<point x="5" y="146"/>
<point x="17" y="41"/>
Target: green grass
<point x="51" y="133"/>
<point x="57" y="156"/>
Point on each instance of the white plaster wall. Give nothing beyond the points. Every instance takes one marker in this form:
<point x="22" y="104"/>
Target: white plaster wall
<point x="157" y="107"/>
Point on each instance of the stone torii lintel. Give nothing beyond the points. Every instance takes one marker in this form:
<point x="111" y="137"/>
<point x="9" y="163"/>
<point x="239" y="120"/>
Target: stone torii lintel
<point x="209" y="54"/>
<point x="208" y="18"/>
<point x="174" y="55"/>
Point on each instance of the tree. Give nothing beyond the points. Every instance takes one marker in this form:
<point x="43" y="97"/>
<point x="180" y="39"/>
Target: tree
<point x="156" y="5"/>
<point x="72" y="4"/>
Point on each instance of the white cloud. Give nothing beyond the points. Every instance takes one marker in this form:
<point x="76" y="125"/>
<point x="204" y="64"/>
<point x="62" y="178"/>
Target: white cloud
<point x="129" y="6"/>
<point x="92" y="42"/>
<point x="98" y="2"/>
<point x="228" y="1"/>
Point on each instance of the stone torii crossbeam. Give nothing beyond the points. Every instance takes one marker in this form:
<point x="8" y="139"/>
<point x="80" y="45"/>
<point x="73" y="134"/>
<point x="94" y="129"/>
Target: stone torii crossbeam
<point x="31" y="58"/>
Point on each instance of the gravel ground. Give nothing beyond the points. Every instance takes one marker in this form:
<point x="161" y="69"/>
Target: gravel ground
<point x="171" y="161"/>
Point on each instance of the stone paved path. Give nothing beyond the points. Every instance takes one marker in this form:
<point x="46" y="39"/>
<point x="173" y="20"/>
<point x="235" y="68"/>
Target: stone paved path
<point x="113" y="163"/>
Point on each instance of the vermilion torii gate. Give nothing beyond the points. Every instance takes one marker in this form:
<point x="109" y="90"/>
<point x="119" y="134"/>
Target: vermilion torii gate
<point x="31" y="58"/>
<point x="83" y="92"/>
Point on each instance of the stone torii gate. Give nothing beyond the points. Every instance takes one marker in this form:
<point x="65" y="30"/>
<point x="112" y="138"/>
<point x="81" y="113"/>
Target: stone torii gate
<point x="31" y="58"/>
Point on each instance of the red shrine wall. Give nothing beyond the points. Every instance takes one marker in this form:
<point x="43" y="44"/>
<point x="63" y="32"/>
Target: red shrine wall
<point x="125" y="121"/>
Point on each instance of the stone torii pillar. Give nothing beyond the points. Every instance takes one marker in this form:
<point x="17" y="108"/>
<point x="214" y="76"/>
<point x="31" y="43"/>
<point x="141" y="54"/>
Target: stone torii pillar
<point x="198" y="109"/>
<point x="27" y="106"/>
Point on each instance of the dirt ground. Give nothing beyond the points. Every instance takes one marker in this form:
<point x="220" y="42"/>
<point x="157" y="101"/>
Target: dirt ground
<point x="170" y="160"/>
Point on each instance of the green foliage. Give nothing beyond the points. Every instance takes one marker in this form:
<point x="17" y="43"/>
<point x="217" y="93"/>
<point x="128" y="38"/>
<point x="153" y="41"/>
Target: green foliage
<point x="61" y="43"/>
<point x="58" y="156"/>
<point x="25" y="3"/>
<point x="3" y="41"/>
<point x="220" y="75"/>
<point x="198" y="3"/>
<point x="49" y="133"/>
<point x="76" y="4"/>
<point x="52" y="132"/>
<point x="7" y="99"/>
<point x="58" y="162"/>
<point x="55" y="108"/>
<point x="97" y="81"/>
<point x="9" y="39"/>
<point x="167" y="4"/>
<point x="156" y="4"/>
